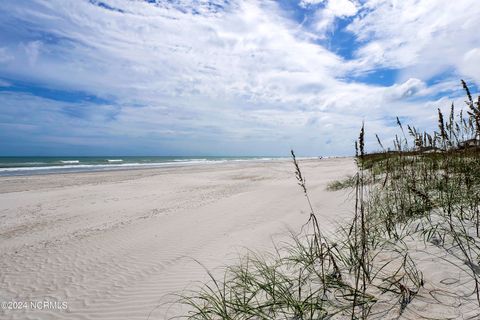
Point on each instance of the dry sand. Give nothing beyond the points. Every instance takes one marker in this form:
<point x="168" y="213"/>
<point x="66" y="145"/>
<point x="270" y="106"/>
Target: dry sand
<point x="113" y="245"/>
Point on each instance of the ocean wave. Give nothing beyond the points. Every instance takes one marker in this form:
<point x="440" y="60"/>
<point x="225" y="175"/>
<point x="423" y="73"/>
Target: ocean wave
<point x="114" y="164"/>
<point x="105" y="166"/>
<point x="190" y="160"/>
<point x="69" y="161"/>
<point x="34" y="163"/>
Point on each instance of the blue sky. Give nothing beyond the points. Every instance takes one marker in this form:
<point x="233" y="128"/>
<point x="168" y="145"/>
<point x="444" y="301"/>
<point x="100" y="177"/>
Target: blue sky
<point x="226" y="77"/>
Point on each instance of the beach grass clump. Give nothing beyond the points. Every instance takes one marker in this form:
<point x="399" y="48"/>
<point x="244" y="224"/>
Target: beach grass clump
<point x="429" y="188"/>
<point x="312" y="276"/>
<point x="348" y="182"/>
<point x="424" y="190"/>
<point x="302" y="281"/>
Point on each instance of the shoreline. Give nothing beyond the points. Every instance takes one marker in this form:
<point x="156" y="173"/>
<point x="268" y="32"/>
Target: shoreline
<point x="79" y="167"/>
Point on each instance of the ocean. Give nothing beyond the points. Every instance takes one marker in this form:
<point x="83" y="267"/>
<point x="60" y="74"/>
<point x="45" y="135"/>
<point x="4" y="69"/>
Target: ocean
<point x="10" y="166"/>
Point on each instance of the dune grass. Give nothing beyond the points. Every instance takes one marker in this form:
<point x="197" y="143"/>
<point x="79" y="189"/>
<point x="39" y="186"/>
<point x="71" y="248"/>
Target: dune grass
<point x="348" y="182"/>
<point x="426" y="189"/>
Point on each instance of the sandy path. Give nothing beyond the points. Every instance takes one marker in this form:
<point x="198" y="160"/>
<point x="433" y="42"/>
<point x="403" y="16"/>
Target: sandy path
<point x="114" y="244"/>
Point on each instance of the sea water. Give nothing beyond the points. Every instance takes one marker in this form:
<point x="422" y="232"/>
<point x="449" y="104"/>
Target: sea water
<point x="42" y="165"/>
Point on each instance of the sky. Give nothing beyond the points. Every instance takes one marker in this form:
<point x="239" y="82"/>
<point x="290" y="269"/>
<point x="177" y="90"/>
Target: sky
<point x="227" y="77"/>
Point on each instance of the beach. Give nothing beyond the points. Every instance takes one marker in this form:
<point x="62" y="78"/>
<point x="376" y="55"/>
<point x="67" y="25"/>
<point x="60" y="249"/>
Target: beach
<point x="118" y="244"/>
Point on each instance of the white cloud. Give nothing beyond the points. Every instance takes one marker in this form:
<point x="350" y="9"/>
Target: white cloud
<point x="409" y="88"/>
<point x="326" y="16"/>
<point x="469" y="65"/>
<point x="422" y="37"/>
<point x="153" y="49"/>
<point x="342" y="8"/>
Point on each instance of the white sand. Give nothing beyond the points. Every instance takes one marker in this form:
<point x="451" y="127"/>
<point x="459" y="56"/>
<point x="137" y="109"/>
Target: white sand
<point x="113" y="245"/>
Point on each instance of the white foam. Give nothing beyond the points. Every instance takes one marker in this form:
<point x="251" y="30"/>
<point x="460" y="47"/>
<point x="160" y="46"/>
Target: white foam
<point x="76" y="166"/>
<point x="191" y="160"/>
<point x="108" y="166"/>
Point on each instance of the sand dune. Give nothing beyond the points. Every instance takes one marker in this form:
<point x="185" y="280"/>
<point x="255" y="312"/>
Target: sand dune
<point x="114" y="245"/>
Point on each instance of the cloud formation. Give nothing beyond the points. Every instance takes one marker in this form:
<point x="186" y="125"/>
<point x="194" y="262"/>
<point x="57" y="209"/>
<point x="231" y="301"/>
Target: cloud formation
<point x="224" y="77"/>
<point x="423" y="38"/>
